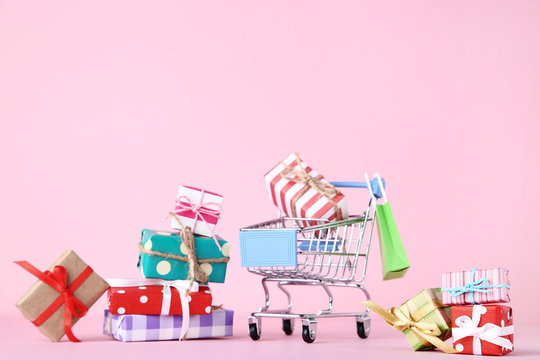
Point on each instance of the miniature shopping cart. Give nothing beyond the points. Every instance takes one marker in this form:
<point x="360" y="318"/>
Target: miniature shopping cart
<point x="325" y="254"/>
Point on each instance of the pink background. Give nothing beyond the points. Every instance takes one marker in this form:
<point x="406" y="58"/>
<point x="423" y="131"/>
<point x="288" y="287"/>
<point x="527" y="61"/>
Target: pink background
<point x="106" y="107"/>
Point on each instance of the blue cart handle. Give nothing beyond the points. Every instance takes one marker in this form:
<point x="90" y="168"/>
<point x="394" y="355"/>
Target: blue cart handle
<point x="352" y="184"/>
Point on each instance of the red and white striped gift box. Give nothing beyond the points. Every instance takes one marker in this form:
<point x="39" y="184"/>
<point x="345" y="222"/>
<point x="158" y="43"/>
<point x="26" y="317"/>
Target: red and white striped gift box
<point x="283" y="191"/>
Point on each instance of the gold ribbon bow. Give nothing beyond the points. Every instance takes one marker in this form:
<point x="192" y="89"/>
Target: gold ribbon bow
<point x="401" y="320"/>
<point x="301" y="176"/>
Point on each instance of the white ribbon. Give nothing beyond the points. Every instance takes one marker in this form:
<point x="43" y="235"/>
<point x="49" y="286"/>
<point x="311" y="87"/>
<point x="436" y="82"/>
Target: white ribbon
<point x="180" y="285"/>
<point x="489" y="332"/>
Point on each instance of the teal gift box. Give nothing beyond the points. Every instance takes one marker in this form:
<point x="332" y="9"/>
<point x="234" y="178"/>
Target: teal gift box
<point x="169" y="245"/>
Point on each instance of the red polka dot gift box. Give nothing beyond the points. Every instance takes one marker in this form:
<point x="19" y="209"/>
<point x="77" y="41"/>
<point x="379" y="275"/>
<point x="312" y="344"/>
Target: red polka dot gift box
<point x="158" y="297"/>
<point x="483" y="329"/>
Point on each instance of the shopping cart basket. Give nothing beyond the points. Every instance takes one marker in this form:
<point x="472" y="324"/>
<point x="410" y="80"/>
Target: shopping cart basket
<point x="325" y="254"/>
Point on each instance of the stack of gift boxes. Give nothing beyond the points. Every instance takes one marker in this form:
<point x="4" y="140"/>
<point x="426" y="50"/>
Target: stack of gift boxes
<point x="480" y="324"/>
<point x="174" y="301"/>
<point x="464" y="308"/>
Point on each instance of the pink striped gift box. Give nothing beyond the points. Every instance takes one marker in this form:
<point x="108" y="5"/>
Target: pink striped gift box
<point x="477" y="286"/>
<point x="290" y="186"/>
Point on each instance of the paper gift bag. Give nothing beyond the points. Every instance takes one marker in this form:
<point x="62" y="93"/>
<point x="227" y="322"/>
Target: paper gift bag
<point x="393" y="257"/>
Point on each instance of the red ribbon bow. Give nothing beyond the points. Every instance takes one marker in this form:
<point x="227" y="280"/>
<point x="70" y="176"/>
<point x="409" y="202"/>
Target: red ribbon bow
<point x="57" y="279"/>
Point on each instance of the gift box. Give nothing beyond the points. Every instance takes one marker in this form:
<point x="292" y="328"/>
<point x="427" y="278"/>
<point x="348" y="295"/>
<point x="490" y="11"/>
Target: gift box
<point x="478" y="286"/>
<point x="128" y="328"/>
<point x="423" y="319"/>
<point x="157" y="297"/>
<point x="198" y="209"/>
<point x="163" y="255"/>
<point x="69" y="278"/>
<point x="299" y="191"/>
<point x="483" y="329"/>
<point x="427" y="307"/>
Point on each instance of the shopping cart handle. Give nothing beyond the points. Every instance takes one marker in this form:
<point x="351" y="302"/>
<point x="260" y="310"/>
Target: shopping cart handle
<point x="351" y="184"/>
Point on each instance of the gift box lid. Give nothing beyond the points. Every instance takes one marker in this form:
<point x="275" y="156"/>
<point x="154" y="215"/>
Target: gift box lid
<point x="171" y="243"/>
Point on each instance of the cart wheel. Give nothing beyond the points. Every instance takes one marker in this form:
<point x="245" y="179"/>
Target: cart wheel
<point x="309" y="328"/>
<point x="254" y="333"/>
<point x="254" y="328"/>
<point x="287" y="326"/>
<point x="308" y="335"/>
<point x="363" y="327"/>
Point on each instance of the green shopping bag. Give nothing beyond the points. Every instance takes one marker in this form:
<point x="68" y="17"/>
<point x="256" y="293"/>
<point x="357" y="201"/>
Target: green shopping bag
<point x="394" y="259"/>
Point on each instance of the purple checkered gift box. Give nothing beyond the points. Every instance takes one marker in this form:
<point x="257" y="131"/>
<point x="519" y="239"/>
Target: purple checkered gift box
<point x="167" y="327"/>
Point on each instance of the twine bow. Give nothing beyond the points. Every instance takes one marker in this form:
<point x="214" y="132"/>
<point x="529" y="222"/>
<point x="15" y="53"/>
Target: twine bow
<point x="185" y="205"/>
<point x="57" y="279"/>
<point x="195" y="272"/>
<point x="402" y="319"/>
<point x="300" y="175"/>
<point x="489" y="332"/>
<point x="481" y="285"/>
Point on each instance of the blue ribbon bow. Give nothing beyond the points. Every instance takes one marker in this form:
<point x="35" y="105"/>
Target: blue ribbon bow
<point x="481" y="285"/>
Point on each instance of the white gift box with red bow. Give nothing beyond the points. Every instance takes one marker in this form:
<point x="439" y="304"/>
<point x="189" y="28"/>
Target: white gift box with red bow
<point x="197" y="208"/>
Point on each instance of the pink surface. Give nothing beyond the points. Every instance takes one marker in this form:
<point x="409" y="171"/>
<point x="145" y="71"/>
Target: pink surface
<point x="335" y="339"/>
<point x="107" y="107"/>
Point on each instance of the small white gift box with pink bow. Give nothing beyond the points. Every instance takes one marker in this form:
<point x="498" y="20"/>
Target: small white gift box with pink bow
<point x="197" y="208"/>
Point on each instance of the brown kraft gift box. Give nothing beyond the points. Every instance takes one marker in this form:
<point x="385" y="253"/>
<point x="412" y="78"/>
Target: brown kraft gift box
<point x="40" y="295"/>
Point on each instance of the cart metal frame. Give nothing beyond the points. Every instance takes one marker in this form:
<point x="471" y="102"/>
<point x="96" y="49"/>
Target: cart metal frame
<point x="335" y="250"/>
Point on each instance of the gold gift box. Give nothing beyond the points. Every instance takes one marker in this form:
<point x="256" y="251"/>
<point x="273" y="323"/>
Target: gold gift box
<point x="427" y="306"/>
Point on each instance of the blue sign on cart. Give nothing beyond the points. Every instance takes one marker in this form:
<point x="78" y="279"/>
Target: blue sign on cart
<point x="268" y="247"/>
